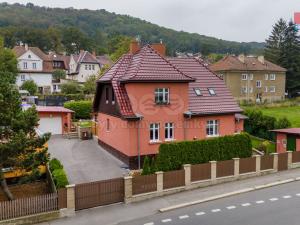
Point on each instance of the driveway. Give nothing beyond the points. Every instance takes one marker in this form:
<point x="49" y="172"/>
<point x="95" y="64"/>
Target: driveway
<point x="85" y="161"/>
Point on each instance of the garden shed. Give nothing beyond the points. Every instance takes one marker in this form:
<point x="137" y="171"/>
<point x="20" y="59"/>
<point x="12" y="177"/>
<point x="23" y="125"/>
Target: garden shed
<point x="287" y="139"/>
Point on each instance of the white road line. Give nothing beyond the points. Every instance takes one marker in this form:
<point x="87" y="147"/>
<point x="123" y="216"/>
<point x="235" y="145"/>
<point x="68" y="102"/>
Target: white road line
<point x="260" y="202"/>
<point x="215" y="210"/>
<point x="298" y="194"/>
<point x="273" y="199"/>
<point x="231" y="207"/>
<point x="246" y="204"/>
<point x="166" y="220"/>
<point x="183" y="217"/>
<point x="287" y="196"/>
<point x="149" y="223"/>
<point x="200" y="213"/>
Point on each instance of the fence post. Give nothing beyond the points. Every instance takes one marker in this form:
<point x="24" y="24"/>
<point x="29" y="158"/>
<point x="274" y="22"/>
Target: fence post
<point x="160" y="181"/>
<point x="236" y="162"/>
<point x="290" y="159"/>
<point x="187" y="174"/>
<point x="213" y="171"/>
<point x="127" y="189"/>
<point x="70" y="210"/>
<point x="257" y="163"/>
<point x="275" y="161"/>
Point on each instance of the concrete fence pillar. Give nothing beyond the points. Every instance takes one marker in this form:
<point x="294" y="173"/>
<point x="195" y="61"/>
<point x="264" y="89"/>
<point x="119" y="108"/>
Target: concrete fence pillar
<point x="127" y="188"/>
<point x="236" y="162"/>
<point x="213" y="171"/>
<point x="187" y="174"/>
<point x="275" y="161"/>
<point x="160" y="181"/>
<point x="257" y="163"/>
<point x="290" y="159"/>
<point x="70" y="210"/>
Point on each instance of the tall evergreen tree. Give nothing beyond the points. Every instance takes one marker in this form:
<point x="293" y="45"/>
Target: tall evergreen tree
<point x="18" y="139"/>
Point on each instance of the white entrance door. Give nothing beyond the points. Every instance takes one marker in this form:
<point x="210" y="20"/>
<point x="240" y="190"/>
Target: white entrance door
<point x="51" y="124"/>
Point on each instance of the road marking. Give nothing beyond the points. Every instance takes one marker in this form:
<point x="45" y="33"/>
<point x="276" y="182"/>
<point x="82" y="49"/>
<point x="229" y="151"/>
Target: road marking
<point x="273" y="199"/>
<point x="298" y="194"/>
<point x="149" y="223"/>
<point x="166" y="220"/>
<point x="260" y="202"/>
<point x="216" y="210"/>
<point x="200" y="213"/>
<point x="246" y="204"/>
<point x="231" y="207"/>
<point x="183" y="217"/>
<point x="287" y="196"/>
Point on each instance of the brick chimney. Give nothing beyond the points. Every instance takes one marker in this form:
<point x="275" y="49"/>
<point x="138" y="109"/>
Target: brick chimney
<point x="242" y="58"/>
<point x="160" y="48"/>
<point x="261" y="59"/>
<point x="94" y="53"/>
<point x="134" y="47"/>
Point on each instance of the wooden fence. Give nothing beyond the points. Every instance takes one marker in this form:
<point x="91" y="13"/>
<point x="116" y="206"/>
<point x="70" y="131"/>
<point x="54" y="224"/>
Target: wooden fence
<point x="225" y="168"/>
<point x="144" y="184"/>
<point x="247" y="165"/>
<point x="62" y="198"/>
<point x="173" y="179"/>
<point x="200" y="172"/>
<point x="266" y="162"/>
<point x="28" y="206"/>
<point x="296" y="157"/>
<point x="282" y="161"/>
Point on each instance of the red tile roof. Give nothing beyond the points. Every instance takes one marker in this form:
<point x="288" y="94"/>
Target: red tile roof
<point x="222" y="102"/>
<point x="58" y="109"/>
<point x="288" y="131"/>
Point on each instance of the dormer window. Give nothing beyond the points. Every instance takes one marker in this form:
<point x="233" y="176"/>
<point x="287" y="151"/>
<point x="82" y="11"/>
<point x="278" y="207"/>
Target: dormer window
<point x="29" y="56"/>
<point x="198" y="91"/>
<point x="162" y="96"/>
<point x="211" y="91"/>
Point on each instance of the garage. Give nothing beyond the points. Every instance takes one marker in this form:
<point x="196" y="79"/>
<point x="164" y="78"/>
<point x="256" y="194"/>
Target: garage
<point x="54" y="119"/>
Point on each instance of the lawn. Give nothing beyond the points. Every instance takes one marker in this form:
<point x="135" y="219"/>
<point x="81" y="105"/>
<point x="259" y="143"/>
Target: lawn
<point x="292" y="113"/>
<point x="84" y="124"/>
<point x="256" y="142"/>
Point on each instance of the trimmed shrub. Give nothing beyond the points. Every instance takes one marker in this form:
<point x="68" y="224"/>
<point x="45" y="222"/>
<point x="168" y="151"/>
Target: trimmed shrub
<point x="55" y="164"/>
<point x="146" y="166"/>
<point x="173" y="155"/>
<point x="60" y="178"/>
<point x="82" y="109"/>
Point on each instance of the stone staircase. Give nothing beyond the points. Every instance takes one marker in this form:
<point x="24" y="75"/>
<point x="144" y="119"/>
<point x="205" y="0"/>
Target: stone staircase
<point x="72" y="135"/>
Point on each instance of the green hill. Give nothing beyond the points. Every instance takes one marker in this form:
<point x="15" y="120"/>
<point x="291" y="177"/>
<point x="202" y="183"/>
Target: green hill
<point x="55" y="28"/>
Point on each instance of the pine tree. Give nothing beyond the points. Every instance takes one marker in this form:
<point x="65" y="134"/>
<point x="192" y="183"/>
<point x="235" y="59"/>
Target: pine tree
<point x="274" y="44"/>
<point x="18" y="139"/>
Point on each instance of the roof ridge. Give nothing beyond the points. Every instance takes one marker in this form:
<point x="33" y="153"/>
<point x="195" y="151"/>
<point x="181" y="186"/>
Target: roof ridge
<point x="140" y="63"/>
<point x="206" y="67"/>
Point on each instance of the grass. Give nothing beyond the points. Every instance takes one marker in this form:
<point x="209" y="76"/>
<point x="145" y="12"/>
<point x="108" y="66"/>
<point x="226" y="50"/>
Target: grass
<point x="256" y="142"/>
<point x="85" y="124"/>
<point x="292" y="113"/>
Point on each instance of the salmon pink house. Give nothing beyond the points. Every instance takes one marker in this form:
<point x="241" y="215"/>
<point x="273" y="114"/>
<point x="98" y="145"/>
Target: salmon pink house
<point x="146" y="99"/>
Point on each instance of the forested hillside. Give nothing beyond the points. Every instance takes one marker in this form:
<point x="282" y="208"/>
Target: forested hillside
<point x="71" y="29"/>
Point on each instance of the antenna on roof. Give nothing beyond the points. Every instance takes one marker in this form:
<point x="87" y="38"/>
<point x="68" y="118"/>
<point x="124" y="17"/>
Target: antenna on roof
<point x="161" y="40"/>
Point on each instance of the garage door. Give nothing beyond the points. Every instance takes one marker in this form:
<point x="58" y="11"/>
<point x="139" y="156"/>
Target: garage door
<point x="51" y="124"/>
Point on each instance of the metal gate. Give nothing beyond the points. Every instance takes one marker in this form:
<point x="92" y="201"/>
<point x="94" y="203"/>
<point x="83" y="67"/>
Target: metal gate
<point x="99" y="193"/>
<point x="282" y="161"/>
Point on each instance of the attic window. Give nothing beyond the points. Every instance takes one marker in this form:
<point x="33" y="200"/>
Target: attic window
<point x="211" y="91"/>
<point x="29" y="56"/>
<point x="198" y="91"/>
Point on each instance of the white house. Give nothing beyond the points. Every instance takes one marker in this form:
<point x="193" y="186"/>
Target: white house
<point x="34" y="65"/>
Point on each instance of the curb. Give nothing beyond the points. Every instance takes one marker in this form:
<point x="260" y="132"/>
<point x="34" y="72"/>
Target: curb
<point x="258" y="187"/>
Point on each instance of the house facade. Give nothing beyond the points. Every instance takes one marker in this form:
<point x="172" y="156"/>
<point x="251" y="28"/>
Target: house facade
<point x="34" y="65"/>
<point x="287" y="139"/>
<point x="146" y="99"/>
<point x="252" y="79"/>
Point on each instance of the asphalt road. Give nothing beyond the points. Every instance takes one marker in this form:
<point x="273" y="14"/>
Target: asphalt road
<point x="278" y="205"/>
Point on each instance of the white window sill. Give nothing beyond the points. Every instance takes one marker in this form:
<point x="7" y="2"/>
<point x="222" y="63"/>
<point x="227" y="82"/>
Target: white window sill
<point x="170" y="139"/>
<point x="212" y="136"/>
<point x="155" y="142"/>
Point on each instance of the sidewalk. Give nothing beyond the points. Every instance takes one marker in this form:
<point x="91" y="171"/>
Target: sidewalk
<point x="114" y="214"/>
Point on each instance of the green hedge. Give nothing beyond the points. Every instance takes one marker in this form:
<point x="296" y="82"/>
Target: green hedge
<point x="55" y="164"/>
<point x="82" y="109"/>
<point x="59" y="175"/>
<point x="173" y="155"/>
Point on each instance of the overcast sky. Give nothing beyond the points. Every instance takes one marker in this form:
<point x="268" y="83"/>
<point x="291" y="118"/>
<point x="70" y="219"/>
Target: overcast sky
<point x="236" y="20"/>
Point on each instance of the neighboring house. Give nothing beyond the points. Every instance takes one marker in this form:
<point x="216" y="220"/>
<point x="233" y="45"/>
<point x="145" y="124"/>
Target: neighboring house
<point x="146" y="99"/>
<point x="34" y="65"/>
<point x="287" y="139"/>
<point x="84" y="65"/>
<point x="252" y="78"/>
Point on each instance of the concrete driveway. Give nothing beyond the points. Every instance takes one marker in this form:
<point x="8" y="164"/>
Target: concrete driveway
<point x="85" y="161"/>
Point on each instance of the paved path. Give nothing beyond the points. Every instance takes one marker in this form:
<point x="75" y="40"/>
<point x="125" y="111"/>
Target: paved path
<point x="118" y="213"/>
<point x="272" y="206"/>
<point x="85" y="161"/>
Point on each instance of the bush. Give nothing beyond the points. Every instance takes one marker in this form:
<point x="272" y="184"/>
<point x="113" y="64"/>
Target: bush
<point x="173" y="155"/>
<point x="146" y="166"/>
<point x="71" y="87"/>
<point x="30" y="86"/>
<point x="82" y="109"/>
<point x="60" y="178"/>
<point x="55" y="164"/>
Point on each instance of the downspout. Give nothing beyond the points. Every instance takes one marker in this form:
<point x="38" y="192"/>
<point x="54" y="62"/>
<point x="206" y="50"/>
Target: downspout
<point x="138" y="141"/>
<point x="185" y="123"/>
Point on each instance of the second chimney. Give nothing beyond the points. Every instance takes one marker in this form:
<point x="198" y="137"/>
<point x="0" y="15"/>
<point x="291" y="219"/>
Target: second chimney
<point x="134" y="47"/>
<point x="261" y="59"/>
<point x="160" y="48"/>
<point x="242" y="58"/>
<point x="26" y="47"/>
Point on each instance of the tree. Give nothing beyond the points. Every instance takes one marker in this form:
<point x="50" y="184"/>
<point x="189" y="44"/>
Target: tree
<point x="59" y="74"/>
<point x="30" y="86"/>
<point x="71" y="87"/>
<point x="18" y="139"/>
<point x="89" y="87"/>
<point x="118" y="46"/>
<point x="146" y="166"/>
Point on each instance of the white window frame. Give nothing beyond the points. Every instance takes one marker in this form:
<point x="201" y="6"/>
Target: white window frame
<point x="211" y="91"/>
<point x="244" y="76"/>
<point x="197" y="91"/>
<point x="266" y="89"/>
<point x="272" y="89"/>
<point x="272" y="76"/>
<point x="165" y="92"/>
<point x="169" y="136"/>
<point x="266" y="76"/>
<point x="258" y="82"/>
<point x="23" y="77"/>
<point x="34" y="65"/>
<point x="154" y="128"/>
<point x="251" y="76"/>
<point x="25" y="66"/>
<point x="212" y="128"/>
<point x="244" y="90"/>
<point x="86" y="67"/>
<point x="250" y="89"/>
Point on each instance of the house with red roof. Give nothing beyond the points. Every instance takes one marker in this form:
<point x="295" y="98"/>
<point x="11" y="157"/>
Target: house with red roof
<point x="287" y="139"/>
<point x="146" y="99"/>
